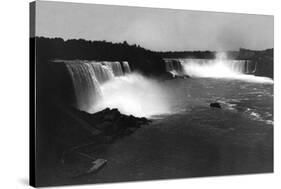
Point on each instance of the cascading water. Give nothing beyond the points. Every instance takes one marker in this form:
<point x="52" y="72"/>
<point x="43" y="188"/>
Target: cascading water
<point x="99" y="85"/>
<point x="221" y="67"/>
<point x="86" y="85"/>
<point x="126" y="67"/>
<point x="88" y="77"/>
<point x="213" y="68"/>
<point x="174" y="67"/>
<point x="103" y="73"/>
<point x="115" y="67"/>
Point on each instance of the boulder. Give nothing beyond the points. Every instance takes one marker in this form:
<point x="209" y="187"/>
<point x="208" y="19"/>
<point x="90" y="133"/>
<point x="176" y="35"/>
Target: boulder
<point x="215" y="105"/>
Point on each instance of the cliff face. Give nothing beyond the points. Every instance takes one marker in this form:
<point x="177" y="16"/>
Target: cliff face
<point x="263" y="59"/>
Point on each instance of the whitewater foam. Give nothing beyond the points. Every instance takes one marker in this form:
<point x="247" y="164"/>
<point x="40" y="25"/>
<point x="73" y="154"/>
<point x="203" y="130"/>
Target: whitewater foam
<point x="227" y="69"/>
<point x="221" y="68"/>
<point x="133" y="94"/>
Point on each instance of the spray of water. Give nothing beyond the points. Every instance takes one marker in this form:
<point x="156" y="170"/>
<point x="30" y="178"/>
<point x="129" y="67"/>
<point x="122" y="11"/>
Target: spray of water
<point x="221" y="67"/>
<point x="133" y="94"/>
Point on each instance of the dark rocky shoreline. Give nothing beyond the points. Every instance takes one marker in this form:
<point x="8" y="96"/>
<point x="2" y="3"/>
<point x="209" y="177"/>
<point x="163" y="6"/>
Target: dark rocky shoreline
<point x="104" y="126"/>
<point x="72" y="130"/>
<point x="111" y="123"/>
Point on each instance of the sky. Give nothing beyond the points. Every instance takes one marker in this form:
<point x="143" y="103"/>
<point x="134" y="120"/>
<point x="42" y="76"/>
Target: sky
<point x="153" y="28"/>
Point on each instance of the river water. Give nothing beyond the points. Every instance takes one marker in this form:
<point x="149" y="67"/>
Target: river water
<point x="249" y="100"/>
<point x="193" y="139"/>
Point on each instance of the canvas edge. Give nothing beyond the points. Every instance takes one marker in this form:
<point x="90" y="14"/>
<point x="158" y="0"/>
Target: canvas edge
<point x="32" y="92"/>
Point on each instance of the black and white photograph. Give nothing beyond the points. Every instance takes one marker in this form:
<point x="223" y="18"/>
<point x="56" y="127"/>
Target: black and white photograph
<point x="123" y="93"/>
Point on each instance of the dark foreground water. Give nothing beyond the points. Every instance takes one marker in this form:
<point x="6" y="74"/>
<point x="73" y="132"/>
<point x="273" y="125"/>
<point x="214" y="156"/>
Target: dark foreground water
<point x="195" y="140"/>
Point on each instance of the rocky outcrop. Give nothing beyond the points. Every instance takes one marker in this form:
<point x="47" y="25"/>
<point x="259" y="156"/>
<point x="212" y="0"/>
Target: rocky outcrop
<point x="110" y="122"/>
<point x="215" y="105"/>
<point x="75" y="128"/>
<point x="104" y="126"/>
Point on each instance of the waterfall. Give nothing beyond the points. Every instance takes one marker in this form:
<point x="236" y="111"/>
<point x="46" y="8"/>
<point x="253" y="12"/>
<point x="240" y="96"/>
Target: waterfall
<point x="221" y="67"/>
<point x="126" y="67"/>
<point x="86" y="85"/>
<point x="174" y="67"/>
<point x="102" y="72"/>
<point x="115" y="67"/>
<point x="215" y="67"/>
<point x="88" y="76"/>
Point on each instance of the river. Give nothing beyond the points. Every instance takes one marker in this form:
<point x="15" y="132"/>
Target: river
<point x="193" y="139"/>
